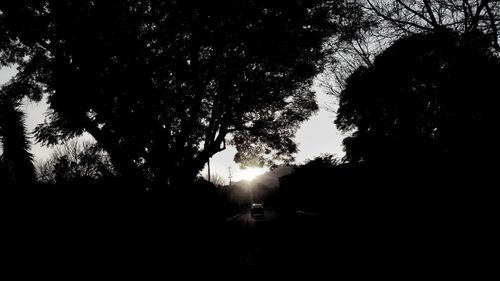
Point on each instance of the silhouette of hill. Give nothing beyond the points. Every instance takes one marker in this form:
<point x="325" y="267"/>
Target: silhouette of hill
<point x="260" y="189"/>
<point x="271" y="178"/>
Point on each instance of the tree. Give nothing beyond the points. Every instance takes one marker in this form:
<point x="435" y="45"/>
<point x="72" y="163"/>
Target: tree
<point x="428" y="98"/>
<point x="16" y="158"/>
<point x="405" y="17"/>
<point x="216" y="179"/>
<point x="76" y="162"/>
<point x="383" y="22"/>
<point x="163" y="85"/>
<point x="314" y="185"/>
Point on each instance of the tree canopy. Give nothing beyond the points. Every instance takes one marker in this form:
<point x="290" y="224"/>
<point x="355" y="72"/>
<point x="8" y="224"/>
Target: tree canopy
<point x="383" y="22"/>
<point x="429" y="97"/>
<point x="403" y="17"/>
<point x="163" y="85"/>
<point x="76" y="162"/>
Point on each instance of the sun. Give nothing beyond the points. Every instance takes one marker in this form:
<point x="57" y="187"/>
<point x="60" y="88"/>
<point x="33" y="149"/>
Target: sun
<point x="249" y="174"/>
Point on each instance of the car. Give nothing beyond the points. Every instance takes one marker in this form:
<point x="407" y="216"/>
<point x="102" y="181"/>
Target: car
<point x="257" y="210"/>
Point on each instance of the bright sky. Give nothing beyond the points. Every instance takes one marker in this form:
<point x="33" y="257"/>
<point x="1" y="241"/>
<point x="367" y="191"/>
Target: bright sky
<point x="316" y="136"/>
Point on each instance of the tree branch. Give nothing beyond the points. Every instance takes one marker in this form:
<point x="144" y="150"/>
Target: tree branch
<point x="363" y="53"/>
<point x="467" y="10"/>
<point x="106" y="140"/>
<point x="428" y="7"/>
<point x="494" y="28"/>
<point x="398" y="22"/>
<point x="475" y="19"/>
<point x="422" y="16"/>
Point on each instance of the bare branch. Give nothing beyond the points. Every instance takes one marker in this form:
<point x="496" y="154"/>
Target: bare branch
<point x="363" y="53"/>
<point x="400" y="23"/>
<point x="431" y="21"/>
<point x="494" y="28"/>
<point x="428" y="7"/>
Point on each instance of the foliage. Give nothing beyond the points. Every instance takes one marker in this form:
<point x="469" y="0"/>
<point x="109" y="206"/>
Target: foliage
<point x="428" y="97"/>
<point x="383" y="22"/>
<point x="75" y="162"/>
<point x="162" y="85"/>
<point x="216" y="179"/>
<point x="404" y="17"/>
<point x="16" y="158"/>
<point x="312" y="185"/>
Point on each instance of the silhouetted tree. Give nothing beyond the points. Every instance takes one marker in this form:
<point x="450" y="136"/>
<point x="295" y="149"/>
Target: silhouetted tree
<point x="17" y="161"/>
<point x="427" y="98"/>
<point x="386" y="21"/>
<point x="312" y="185"/>
<point x="404" y="17"/>
<point x="75" y="162"/>
<point x="216" y="179"/>
<point x="161" y="85"/>
<point x="16" y="157"/>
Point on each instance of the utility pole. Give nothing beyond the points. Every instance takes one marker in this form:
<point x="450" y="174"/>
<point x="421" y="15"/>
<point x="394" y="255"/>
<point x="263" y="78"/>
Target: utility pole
<point x="209" y="170"/>
<point x="229" y="175"/>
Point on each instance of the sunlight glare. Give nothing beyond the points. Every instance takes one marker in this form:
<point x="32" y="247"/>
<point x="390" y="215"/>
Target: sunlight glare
<point x="250" y="173"/>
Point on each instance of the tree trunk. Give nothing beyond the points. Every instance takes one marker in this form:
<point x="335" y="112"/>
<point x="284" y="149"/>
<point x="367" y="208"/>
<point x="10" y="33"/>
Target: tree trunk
<point x="131" y="177"/>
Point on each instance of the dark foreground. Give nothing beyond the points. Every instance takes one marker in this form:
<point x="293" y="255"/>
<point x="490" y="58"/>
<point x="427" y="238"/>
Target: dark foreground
<point x="150" y="237"/>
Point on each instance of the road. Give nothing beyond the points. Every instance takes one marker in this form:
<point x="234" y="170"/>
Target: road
<point x="245" y="219"/>
<point x="281" y="245"/>
<point x="298" y="245"/>
<point x="278" y="245"/>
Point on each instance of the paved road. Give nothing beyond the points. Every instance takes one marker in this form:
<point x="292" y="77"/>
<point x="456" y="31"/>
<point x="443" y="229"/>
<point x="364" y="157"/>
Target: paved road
<point x="245" y="219"/>
<point x="305" y="246"/>
<point x="278" y="245"/>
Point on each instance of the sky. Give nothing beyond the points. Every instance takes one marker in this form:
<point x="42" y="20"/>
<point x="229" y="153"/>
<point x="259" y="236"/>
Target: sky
<point x="316" y="136"/>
